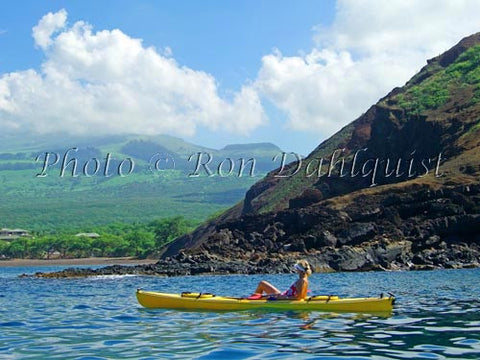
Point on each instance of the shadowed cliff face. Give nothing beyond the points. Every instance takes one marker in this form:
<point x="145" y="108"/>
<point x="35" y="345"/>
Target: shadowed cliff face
<point x="398" y="187"/>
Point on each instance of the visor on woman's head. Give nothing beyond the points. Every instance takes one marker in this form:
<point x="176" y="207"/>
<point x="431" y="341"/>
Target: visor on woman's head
<point x="299" y="267"/>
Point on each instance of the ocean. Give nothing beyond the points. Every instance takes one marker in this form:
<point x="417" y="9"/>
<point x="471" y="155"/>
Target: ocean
<point x="436" y="316"/>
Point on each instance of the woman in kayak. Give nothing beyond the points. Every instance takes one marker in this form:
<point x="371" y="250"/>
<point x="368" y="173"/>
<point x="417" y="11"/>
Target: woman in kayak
<point x="298" y="290"/>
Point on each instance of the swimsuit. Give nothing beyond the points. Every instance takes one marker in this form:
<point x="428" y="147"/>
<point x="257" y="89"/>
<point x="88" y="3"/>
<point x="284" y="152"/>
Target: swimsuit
<point x="292" y="291"/>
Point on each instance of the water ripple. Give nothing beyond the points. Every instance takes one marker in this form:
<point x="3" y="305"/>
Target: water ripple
<point x="100" y="319"/>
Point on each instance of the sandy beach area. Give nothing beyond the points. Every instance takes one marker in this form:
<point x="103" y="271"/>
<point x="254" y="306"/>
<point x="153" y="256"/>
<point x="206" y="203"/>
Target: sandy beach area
<point x="74" y="262"/>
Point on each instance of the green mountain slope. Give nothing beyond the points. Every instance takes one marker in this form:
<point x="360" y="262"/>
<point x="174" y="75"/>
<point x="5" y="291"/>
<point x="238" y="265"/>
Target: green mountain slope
<point x="96" y="188"/>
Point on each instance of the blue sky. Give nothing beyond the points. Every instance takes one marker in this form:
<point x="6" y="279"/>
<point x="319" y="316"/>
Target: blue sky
<point x="224" y="38"/>
<point x="291" y="73"/>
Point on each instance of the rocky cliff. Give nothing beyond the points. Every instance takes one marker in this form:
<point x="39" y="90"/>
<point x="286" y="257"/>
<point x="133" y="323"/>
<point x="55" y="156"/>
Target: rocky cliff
<point x="398" y="188"/>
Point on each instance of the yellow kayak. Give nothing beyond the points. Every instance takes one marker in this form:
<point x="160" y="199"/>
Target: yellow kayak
<point x="210" y="302"/>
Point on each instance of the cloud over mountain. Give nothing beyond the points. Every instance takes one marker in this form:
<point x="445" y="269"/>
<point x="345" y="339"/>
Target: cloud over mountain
<point x="371" y="47"/>
<point x="109" y="82"/>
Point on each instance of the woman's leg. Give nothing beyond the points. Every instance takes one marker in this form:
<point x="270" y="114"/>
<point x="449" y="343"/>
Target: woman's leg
<point x="267" y="288"/>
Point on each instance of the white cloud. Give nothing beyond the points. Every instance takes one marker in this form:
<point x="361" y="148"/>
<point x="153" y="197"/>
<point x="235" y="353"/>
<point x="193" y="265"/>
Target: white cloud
<point x="48" y="25"/>
<point x="371" y="47"/>
<point x="108" y="82"/>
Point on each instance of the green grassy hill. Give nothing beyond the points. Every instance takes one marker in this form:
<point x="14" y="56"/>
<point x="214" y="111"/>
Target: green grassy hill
<point x="155" y="189"/>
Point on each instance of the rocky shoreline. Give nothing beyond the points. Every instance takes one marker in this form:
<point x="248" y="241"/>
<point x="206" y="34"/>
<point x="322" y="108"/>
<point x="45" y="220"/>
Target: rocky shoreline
<point x="414" y="228"/>
<point x="380" y="256"/>
<point x="418" y="229"/>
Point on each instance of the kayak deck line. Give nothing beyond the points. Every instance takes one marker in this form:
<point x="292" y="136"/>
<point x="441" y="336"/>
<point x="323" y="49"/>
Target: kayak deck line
<point x="211" y="302"/>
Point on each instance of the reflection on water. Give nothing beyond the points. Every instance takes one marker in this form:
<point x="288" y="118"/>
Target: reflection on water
<point x="436" y="317"/>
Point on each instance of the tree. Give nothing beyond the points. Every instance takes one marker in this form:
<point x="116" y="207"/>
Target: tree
<point x="141" y="242"/>
<point x="109" y="245"/>
<point x="16" y="249"/>
<point x="3" y="248"/>
<point x="79" y="246"/>
<point x="168" y="229"/>
<point x="35" y="249"/>
<point x="47" y="245"/>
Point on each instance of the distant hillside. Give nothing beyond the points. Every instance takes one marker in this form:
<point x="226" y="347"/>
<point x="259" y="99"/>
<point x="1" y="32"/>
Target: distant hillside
<point x="268" y="147"/>
<point x="397" y="188"/>
<point x="96" y="192"/>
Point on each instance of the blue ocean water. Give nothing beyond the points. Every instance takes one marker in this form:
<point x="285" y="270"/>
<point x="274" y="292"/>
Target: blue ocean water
<point x="437" y="316"/>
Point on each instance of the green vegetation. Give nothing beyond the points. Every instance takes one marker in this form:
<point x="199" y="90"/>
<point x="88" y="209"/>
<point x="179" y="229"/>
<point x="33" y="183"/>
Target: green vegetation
<point x="56" y="204"/>
<point x="436" y="90"/>
<point x="428" y="95"/>
<point x="167" y="230"/>
<point x="135" y="214"/>
<point x="68" y="204"/>
<point x="140" y="240"/>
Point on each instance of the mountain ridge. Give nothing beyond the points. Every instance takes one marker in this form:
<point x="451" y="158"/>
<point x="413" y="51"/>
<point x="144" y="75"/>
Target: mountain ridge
<point x="78" y="196"/>
<point x="344" y="223"/>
